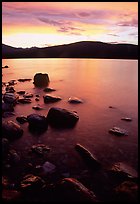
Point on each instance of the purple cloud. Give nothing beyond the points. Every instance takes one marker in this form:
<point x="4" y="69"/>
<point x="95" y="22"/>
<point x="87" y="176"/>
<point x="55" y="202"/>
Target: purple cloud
<point x="133" y="23"/>
<point x="115" y="35"/>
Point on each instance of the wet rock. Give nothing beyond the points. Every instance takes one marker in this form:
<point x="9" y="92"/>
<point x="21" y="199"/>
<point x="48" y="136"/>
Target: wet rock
<point x="123" y="171"/>
<point x="21" y="92"/>
<point x="74" y="100"/>
<point x="11" y="195"/>
<point x="51" y="98"/>
<point x="28" y="95"/>
<point x="127" y="192"/>
<point x="10" y="98"/>
<point x="37" y="121"/>
<point x="21" y="119"/>
<point x="59" y="117"/>
<point x="10" y="89"/>
<point x="37" y="95"/>
<point x="12" y="82"/>
<point x="117" y="131"/>
<point x="32" y="183"/>
<point x="5" y="146"/>
<point x="37" y="99"/>
<point x="11" y="130"/>
<point x="24" y="100"/>
<point x="126" y="119"/>
<point x="6" y="107"/>
<point x="48" y="168"/>
<point x="6" y="66"/>
<point x="70" y="189"/>
<point x="38" y="107"/>
<point x="48" y="89"/>
<point x="41" y="79"/>
<point x="40" y="149"/>
<point x="89" y="159"/>
<point x="13" y="157"/>
<point x="23" y="80"/>
<point x="8" y="114"/>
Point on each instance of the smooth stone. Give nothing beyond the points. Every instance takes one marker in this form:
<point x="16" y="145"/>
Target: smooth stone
<point x="23" y="80"/>
<point x="40" y="149"/>
<point x="126" y="119"/>
<point x="10" y="98"/>
<point x="74" y="100"/>
<point x="70" y="189"/>
<point x="48" y="89"/>
<point x="62" y="118"/>
<point x="89" y="159"/>
<point x="37" y="95"/>
<point x="6" y="66"/>
<point x="11" y="130"/>
<point x="41" y="79"/>
<point x="37" y="99"/>
<point x="8" y="114"/>
<point x="37" y="121"/>
<point x="51" y="98"/>
<point x="24" y="100"/>
<point x="10" y="89"/>
<point x="38" y="107"/>
<point x="21" y="92"/>
<point x="28" y="95"/>
<point x="117" y="131"/>
<point x="21" y="119"/>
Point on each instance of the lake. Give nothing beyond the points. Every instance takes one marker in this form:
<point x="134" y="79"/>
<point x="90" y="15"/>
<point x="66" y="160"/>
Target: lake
<point x="100" y="83"/>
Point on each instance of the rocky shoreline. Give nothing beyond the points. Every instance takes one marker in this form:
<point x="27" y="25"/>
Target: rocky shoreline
<point x="24" y="181"/>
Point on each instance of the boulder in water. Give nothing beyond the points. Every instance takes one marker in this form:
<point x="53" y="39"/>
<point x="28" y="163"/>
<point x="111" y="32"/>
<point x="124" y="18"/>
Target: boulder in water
<point x="10" y="98"/>
<point x="37" y="121"/>
<point x="41" y="79"/>
<point x="51" y="98"/>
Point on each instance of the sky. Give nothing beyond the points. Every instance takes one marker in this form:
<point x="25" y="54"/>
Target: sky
<point x="42" y="24"/>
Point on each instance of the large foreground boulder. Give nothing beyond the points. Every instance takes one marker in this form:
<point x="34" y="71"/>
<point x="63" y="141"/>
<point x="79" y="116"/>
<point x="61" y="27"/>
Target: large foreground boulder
<point x="37" y="122"/>
<point x="11" y="130"/>
<point x="71" y="190"/>
<point x="59" y="117"/>
<point x="41" y="79"/>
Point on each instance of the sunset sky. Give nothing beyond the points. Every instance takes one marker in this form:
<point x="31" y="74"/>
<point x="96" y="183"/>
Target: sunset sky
<point x="42" y="24"/>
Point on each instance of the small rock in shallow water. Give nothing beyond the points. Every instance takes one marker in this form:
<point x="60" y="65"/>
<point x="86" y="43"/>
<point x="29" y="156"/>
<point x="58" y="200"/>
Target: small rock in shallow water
<point x="24" y="100"/>
<point x="10" y="89"/>
<point x="21" y="92"/>
<point x="40" y="149"/>
<point x="126" y="119"/>
<point x="23" y="80"/>
<point x="74" y="100"/>
<point x="21" y="119"/>
<point x="28" y="95"/>
<point x="10" y="98"/>
<point x="38" y="107"/>
<point x="117" y="131"/>
<point x="12" y="82"/>
<point x="47" y="89"/>
<point x="6" y="107"/>
<point x="13" y="157"/>
<point x="37" y="122"/>
<point x="51" y="98"/>
<point x="37" y="99"/>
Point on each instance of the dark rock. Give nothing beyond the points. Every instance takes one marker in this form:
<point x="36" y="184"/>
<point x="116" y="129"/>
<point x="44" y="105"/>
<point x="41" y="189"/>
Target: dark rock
<point x="37" y="95"/>
<point x="12" y="82"/>
<point x="37" y="121"/>
<point x="5" y="146"/>
<point x="38" y="107"/>
<point x="23" y="80"/>
<point x="21" y="92"/>
<point x="6" y="107"/>
<point x="59" y="117"/>
<point x="21" y="119"/>
<point x="13" y="157"/>
<point x="8" y="114"/>
<point x="11" y="130"/>
<point x="24" y="100"/>
<point x="37" y="99"/>
<point x="6" y="66"/>
<point x="40" y="149"/>
<point x="89" y="159"/>
<point x="41" y="79"/>
<point x="75" y="100"/>
<point x="51" y="98"/>
<point x="117" y="131"/>
<point x="126" y="119"/>
<point x="71" y="190"/>
<point x="123" y="171"/>
<point x="10" y="89"/>
<point x="127" y="192"/>
<point x="48" y="89"/>
<point x="11" y="195"/>
<point x="10" y="98"/>
<point x="28" y="95"/>
<point x="32" y="183"/>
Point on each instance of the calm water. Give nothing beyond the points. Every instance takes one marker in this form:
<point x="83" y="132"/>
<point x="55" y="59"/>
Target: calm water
<point x="100" y="83"/>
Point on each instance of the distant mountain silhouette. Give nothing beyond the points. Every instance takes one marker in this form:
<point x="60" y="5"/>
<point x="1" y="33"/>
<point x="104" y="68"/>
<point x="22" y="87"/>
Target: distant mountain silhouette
<point x="84" y="49"/>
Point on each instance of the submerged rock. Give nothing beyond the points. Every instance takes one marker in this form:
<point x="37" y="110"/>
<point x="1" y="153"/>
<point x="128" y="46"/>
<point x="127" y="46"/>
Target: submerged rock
<point x="89" y="159"/>
<point x="126" y="119"/>
<point x="11" y="130"/>
<point x="38" y="107"/>
<point x="127" y="192"/>
<point x="6" y="66"/>
<point x="37" y="121"/>
<point x="71" y="190"/>
<point x="40" y="149"/>
<point x="21" y="92"/>
<point x="28" y="95"/>
<point x="21" y="119"/>
<point x="59" y="117"/>
<point x="117" y="131"/>
<point x="51" y="98"/>
<point x="74" y="100"/>
<point x="23" y="80"/>
<point x="37" y="99"/>
<point x="10" y="98"/>
<point x="41" y="79"/>
<point x="48" y="89"/>
<point x="24" y="100"/>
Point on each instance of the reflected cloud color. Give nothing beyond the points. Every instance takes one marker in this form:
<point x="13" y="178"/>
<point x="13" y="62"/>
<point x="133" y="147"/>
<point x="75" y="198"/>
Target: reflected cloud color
<point x="27" y="24"/>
